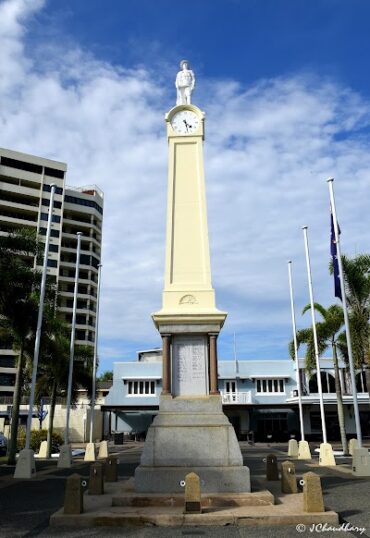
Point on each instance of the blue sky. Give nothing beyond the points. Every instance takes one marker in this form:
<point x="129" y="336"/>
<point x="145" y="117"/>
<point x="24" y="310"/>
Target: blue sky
<point x="285" y="87"/>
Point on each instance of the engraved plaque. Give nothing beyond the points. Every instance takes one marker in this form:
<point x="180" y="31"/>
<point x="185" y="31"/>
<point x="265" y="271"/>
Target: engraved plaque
<point x="189" y="362"/>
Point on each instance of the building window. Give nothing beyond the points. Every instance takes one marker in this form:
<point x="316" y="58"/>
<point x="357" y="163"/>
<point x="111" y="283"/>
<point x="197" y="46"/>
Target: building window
<point x="141" y="388"/>
<point x="56" y="204"/>
<point x="53" y="248"/>
<point x="270" y="386"/>
<point x="53" y="233"/>
<point x="52" y="263"/>
<point x="47" y="188"/>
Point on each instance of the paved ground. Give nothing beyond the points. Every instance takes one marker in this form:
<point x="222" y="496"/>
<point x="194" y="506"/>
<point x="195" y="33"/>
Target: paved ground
<point x="26" y="505"/>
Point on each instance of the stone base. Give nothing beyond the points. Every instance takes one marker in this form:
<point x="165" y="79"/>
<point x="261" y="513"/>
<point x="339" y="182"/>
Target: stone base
<point x="25" y="467"/>
<point x="293" y="448"/>
<point x="304" y="452"/>
<point x="172" y="479"/>
<point x="326" y="455"/>
<point x="361" y="462"/>
<point x="191" y="435"/>
<point x="65" y="457"/>
<point x="90" y="452"/>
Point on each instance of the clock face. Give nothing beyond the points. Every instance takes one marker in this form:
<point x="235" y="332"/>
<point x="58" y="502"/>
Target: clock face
<point x="185" y="122"/>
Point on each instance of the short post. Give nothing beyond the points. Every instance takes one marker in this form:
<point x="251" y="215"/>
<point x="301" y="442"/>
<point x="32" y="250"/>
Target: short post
<point x="96" y="482"/>
<point x="288" y="477"/>
<point x="313" y="500"/>
<point x="272" y="472"/>
<point x="293" y="448"/>
<point x="192" y="494"/>
<point x="111" y="469"/>
<point x="73" y="498"/>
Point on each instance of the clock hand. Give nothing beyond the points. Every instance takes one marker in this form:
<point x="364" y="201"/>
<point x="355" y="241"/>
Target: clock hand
<point x="186" y="124"/>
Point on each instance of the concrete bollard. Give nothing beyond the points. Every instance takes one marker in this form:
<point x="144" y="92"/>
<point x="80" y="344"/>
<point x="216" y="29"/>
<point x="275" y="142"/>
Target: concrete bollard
<point x="304" y="452"/>
<point x="288" y="478"/>
<point x="192" y="494"/>
<point x="272" y="471"/>
<point x="90" y="452"/>
<point x="352" y="446"/>
<point x="312" y="493"/>
<point x="293" y="448"/>
<point x="73" y="498"/>
<point x="326" y="455"/>
<point x="111" y="469"/>
<point x="96" y="482"/>
<point x="361" y="462"/>
<point x="103" y="449"/>
<point x="43" y="450"/>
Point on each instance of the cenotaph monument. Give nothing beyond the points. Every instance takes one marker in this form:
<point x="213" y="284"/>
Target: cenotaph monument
<point x="190" y="433"/>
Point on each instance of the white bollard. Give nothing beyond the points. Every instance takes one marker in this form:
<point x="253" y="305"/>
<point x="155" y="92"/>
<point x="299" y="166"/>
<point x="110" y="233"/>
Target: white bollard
<point x="43" y="450"/>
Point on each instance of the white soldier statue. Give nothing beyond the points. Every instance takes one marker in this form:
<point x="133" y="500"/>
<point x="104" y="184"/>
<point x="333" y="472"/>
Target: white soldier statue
<point x="185" y="82"/>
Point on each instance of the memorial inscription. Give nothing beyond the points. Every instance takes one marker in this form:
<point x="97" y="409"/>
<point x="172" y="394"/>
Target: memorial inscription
<point x="190" y="366"/>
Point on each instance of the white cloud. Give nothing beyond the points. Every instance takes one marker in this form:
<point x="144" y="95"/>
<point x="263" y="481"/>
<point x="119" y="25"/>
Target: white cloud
<point x="269" y="148"/>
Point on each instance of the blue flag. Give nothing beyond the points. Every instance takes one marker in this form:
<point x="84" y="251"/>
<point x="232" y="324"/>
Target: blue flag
<point x="333" y="250"/>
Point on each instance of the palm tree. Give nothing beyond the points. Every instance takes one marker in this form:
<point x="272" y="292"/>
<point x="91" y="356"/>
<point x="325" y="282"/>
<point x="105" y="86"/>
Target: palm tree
<point x="19" y="299"/>
<point x="357" y="286"/>
<point x="18" y="308"/>
<point x="328" y="334"/>
<point x="53" y="369"/>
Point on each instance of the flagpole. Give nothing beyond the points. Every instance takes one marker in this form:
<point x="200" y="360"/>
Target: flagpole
<point x="72" y="345"/>
<point x="92" y="411"/>
<point x="345" y="312"/>
<point x="235" y="359"/>
<point x="39" y="318"/>
<point x="296" y="350"/>
<point x="316" y="347"/>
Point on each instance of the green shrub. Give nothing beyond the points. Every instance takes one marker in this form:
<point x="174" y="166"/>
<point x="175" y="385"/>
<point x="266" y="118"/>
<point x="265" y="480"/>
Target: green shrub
<point x="37" y="436"/>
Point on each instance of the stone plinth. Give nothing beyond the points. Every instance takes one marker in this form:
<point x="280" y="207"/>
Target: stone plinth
<point x="191" y="435"/>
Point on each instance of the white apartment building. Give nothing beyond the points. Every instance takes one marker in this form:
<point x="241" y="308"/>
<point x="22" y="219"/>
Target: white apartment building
<point x="25" y="185"/>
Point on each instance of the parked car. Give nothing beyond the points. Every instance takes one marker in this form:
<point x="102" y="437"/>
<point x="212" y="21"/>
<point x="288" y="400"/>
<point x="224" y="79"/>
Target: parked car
<point x="3" y="444"/>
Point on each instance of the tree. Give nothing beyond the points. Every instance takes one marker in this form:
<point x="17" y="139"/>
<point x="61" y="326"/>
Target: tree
<point x="106" y="376"/>
<point x="328" y="335"/>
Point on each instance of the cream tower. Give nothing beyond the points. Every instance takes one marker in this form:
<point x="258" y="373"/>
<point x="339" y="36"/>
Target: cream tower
<point x="190" y="433"/>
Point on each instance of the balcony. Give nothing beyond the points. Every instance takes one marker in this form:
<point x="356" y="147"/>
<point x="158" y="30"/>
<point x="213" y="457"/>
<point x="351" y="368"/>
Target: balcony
<point x="236" y="398"/>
